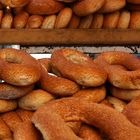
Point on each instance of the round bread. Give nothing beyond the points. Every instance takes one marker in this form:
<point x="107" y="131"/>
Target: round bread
<point x="7" y="105"/>
<point x="20" y="20"/>
<point x="124" y="94"/>
<point x="112" y="6"/>
<point x="119" y="76"/>
<point x="77" y="67"/>
<point x="111" y="20"/>
<point x="63" y="18"/>
<point x="134" y="1"/>
<point x="135" y="20"/>
<point x="34" y="21"/>
<point x="74" y="22"/>
<point x="87" y="7"/>
<point x="34" y="99"/>
<point x="97" y="21"/>
<point x="44" y="7"/>
<point x="124" y="20"/>
<point x="49" y="22"/>
<point x="18" y="67"/>
<point x="85" y="22"/>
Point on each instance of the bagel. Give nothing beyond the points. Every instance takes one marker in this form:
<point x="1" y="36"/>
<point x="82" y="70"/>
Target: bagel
<point x="78" y="67"/>
<point x="8" y="91"/>
<point x="117" y="104"/>
<point x="134" y="1"/>
<point x="91" y="94"/>
<point x="49" y="22"/>
<point x="12" y="120"/>
<point x="124" y="94"/>
<point x="124" y="20"/>
<point x="87" y="7"/>
<point x="50" y="120"/>
<point x="118" y="76"/>
<point x="85" y="22"/>
<point x="58" y="86"/>
<point x="34" y="99"/>
<point x="63" y="18"/>
<point x="112" y="6"/>
<point x="7" y="105"/>
<point x="89" y="133"/>
<point x="5" y="133"/>
<point x="135" y="20"/>
<point x="43" y="7"/>
<point x="18" y="67"/>
<point x="97" y="22"/>
<point x="111" y="20"/>
<point x="74" y="22"/>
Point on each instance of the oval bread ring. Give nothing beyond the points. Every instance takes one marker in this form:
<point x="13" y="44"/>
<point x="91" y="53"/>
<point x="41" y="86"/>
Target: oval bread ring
<point x="34" y="99"/>
<point x="5" y="133"/>
<point x="8" y="91"/>
<point x="43" y="7"/>
<point x="85" y="22"/>
<point x="91" y="94"/>
<point x="12" y="120"/>
<point x="97" y="22"/>
<point x="118" y="76"/>
<point x="125" y="94"/>
<point x="58" y="86"/>
<point x="132" y="111"/>
<point x="7" y="105"/>
<point x="18" y="67"/>
<point x="133" y="7"/>
<point x="74" y="22"/>
<point x="111" y="20"/>
<point x="50" y="120"/>
<point x="112" y="6"/>
<point x="135" y="20"/>
<point x="87" y="7"/>
<point x="134" y="1"/>
<point x="118" y="104"/>
<point x="89" y="133"/>
<point x="124" y="20"/>
<point x="78" y="67"/>
<point x="63" y="18"/>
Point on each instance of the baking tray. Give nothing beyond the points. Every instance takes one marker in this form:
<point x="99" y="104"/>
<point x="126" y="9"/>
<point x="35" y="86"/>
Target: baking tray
<point x="70" y="36"/>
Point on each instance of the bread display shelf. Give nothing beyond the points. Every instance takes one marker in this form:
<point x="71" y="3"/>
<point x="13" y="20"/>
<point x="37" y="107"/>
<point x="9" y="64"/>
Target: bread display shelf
<point x="70" y="36"/>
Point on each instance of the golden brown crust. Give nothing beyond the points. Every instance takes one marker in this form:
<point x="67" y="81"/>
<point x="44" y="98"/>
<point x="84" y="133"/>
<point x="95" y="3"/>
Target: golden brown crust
<point x="7" y="20"/>
<point x="124" y="20"/>
<point x="20" y="20"/>
<point x="74" y="22"/>
<point x="134" y="1"/>
<point x="44" y="7"/>
<point x="49" y="22"/>
<point x="111" y="20"/>
<point x="50" y="120"/>
<point x="112" y="6"/>
<point x="86" y="21"/>
<point x="133" y="7"/>
<point x="34" y="99"/>
<point x="34" y="21"/>
<point x="63" y="18"/>
<point x="86" y="7"/>
<point x="97" y="22"/>
<point x="5" y="132"/>
<point x="78" y="67"/>
<point x="7" y="105"/>
<point x="67" y="1"/>
<point x="58" y="86"/>
<point x="12" y="120"/>
<point x="135" y="20"/>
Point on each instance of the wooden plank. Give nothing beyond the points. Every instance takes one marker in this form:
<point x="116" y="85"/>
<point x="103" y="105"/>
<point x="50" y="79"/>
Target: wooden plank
<point x="70" y="36"/>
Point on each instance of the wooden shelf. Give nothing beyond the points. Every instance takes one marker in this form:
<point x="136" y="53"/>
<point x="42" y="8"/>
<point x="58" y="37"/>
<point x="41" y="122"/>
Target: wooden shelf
<point x="70" y="36"/>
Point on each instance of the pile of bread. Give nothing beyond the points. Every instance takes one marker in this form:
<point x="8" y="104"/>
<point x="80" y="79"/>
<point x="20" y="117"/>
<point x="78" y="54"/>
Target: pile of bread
<point x="32" y="88"/>
<point x="49" y="14"/>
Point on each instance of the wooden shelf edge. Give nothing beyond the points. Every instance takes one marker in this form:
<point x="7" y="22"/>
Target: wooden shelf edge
<point x="70" y="36"/>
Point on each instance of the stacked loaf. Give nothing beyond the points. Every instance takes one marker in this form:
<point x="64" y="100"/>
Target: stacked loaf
<point x="69" y="96"/>
<point x="49" y="14"/>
